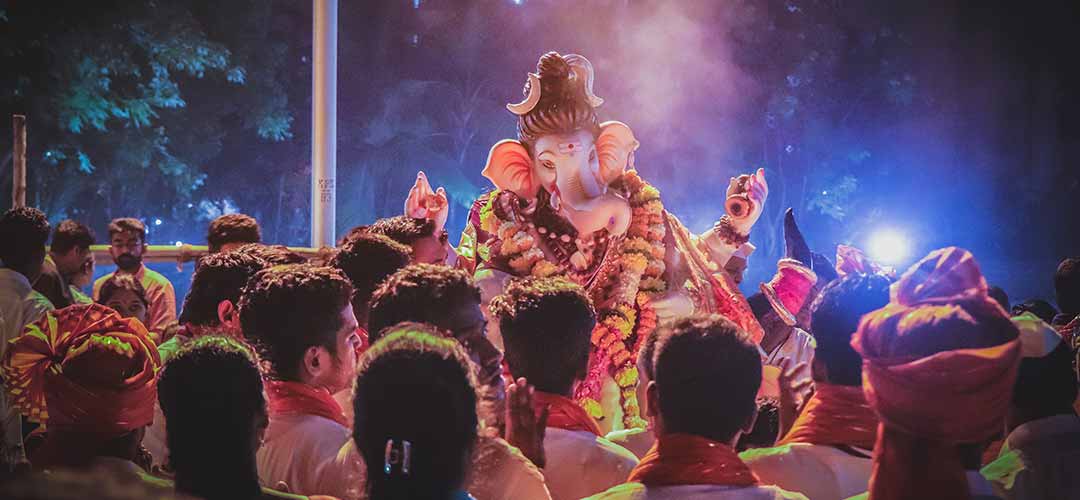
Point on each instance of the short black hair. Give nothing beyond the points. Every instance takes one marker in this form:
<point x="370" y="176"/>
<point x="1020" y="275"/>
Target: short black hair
<point x="413" y="385"/>
<point x="217" y="277"/>
<point x="367" y="260"/>
<point x="120" y="282"/>
<point x="232" y="228"/>
<point x="285" y="310"/>
<point x="1067" y="285"/>
<point x="1039" y="307"/>
<point x="1046" y="385"/>
<point x="546" y="324"/>
<point x="998" y="294"/>
<point x="71" y="234"/>
<point x="23" y="234"/>
<point x="211" y="392"/>
<point x="708" y="372"/>
<point x="125" y="225"/>
<point x="424" y="293"/>
<point x="403" y="229"/>
<point x="835" y="317"/>
<point x="273" y="255"/>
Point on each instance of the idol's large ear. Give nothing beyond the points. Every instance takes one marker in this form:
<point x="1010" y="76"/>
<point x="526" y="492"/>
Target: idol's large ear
<point x="615" y="146"/>
<point x="510" y="168"/>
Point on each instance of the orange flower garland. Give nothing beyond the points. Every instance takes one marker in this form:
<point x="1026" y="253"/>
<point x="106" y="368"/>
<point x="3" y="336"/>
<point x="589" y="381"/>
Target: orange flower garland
<point x="631" y="274"/>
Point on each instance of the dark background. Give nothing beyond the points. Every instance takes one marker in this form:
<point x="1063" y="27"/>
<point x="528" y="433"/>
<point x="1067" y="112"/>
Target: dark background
<point x="954" y="123"/>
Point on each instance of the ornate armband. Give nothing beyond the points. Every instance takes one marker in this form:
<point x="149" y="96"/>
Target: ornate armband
<point x="727" y="232"/>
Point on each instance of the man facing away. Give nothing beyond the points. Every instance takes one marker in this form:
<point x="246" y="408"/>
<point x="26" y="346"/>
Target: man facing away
<point x="23" y="233"/>
<point x="127" y="243"/>
<point x="546" y="324"/>
<point x="232" y="231"/>
<point x="708" y="372"/>
<point x="826" y="454"/>
<point x="301" y="321"/>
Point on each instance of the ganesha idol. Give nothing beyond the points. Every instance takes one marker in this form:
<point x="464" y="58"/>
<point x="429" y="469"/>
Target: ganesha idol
<point x="568" y="202"/>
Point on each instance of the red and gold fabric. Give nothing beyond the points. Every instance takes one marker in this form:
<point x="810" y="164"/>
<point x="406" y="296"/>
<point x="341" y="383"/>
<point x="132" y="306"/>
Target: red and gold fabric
<point x="565" y="413"/>
<point x="939" y="365"/>
<point x="836" y="415"/>
<point x="285" y="398"/>
<point x="686" y="459"/>
<point x="84" y="368"/>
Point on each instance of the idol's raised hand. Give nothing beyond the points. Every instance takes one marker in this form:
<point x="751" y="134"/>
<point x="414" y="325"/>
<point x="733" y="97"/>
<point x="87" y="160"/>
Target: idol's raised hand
<point x="423" y="203"/>
<point x="745" y="200"/>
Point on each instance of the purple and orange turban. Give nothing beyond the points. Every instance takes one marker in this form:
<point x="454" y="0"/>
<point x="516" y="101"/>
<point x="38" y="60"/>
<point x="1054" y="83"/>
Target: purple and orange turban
<point x="84" y="368"/>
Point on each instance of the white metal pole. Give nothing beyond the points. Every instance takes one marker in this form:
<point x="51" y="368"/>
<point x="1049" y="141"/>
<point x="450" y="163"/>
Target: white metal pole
<point x="324" y="124"/>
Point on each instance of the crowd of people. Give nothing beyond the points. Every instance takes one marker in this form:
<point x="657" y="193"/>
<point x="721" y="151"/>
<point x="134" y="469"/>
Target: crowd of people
<point x="378" y="371"/>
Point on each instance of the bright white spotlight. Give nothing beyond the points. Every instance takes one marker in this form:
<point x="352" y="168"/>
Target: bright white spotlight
<point x="888" y="247"/>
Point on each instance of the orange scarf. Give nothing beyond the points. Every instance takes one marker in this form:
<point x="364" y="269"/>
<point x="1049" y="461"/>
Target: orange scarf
<point x="684" y="459"/>
<point x="835" y="415"/>
<point x="565" y="413"/>
<point x="296" y="398"/>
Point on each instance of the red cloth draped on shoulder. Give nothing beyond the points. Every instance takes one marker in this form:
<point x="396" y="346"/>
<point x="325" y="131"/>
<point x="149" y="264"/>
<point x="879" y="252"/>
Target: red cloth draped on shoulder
<point x="939" y="364"/>
<point x="565" y="413"/>
<point x="835" y="415"/>
<point x="285" y="398"/>
<point x="684" y="459"/>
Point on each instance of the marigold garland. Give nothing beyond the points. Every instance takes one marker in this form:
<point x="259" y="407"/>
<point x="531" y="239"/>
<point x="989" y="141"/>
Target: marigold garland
<point x="623" y="296"/>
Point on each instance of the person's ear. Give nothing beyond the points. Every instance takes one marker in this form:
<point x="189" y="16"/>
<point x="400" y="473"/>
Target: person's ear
<point x="652" y="400"/>
<point x="314" y="364"/>
<point x="228" y="315"/>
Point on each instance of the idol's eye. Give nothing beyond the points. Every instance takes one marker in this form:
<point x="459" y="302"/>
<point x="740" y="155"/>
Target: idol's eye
<point x="548" y="164"/>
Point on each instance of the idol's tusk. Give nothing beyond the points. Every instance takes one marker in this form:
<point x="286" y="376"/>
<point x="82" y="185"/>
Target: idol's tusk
<point x="530" y="102"/>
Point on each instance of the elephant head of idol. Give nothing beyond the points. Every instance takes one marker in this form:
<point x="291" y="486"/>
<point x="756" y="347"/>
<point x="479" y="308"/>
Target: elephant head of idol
<point x="563" y="156"/>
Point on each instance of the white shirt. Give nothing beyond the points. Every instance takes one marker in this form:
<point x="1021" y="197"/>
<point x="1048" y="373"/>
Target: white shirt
<point x="302" y="451"/>
<point x="797" y="349"/>
<point x="817" y="471"/>
<point x="580" y="463"/>
<point x="20" y="305"/>
<point x="638" y="491"/>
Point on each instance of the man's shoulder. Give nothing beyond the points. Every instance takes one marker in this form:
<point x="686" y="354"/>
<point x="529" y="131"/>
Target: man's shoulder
<point x="591" y="447"/>
<point x="153" y="277"/>
<point x="638" y="491"/>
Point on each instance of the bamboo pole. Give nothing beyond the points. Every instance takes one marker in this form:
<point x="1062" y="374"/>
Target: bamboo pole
<point x="187" y="253"/>
<point x="18" y="162"/>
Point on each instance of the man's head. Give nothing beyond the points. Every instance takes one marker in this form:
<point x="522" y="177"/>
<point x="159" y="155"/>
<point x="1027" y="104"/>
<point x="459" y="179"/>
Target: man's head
<point x="1046" y="383"/>
<point x="272" y="255"/>
<point x="1039" y="307"/>
<point x="835" y="317"/>
<point x="546" y="324"/>
<point x="708" y="372"/>
<point x="646" y="370"/>
<point x="211" y="393"/>
<point x="232" y="231"/>
<point x="300" y="319"/>
<point x="127" y="242"/>
<point x="125" y="295"/>
<point x="419" y="234"/>
<point x="215" y="289"/>
<point x="23" y="233"/>
<point x="1067" y="286"/>
<point x="1000" y="296"/>
<point x="70" y="248"/>
<point x="367" y="260"/>
<point x="440" y="296"/>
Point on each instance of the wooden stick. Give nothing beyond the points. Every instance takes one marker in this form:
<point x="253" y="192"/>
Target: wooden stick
<point x="18" y="177"/>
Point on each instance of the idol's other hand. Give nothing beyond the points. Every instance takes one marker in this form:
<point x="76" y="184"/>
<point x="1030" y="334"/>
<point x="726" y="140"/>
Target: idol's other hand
<point x="425" y="203"/>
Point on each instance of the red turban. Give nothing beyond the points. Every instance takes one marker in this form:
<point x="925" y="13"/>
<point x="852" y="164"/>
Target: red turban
<point x="939" y="364"/>
<point x="84" y="368"/>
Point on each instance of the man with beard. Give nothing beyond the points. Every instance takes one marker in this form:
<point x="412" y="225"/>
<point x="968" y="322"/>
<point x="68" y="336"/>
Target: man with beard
<point x="127" y="240"/>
